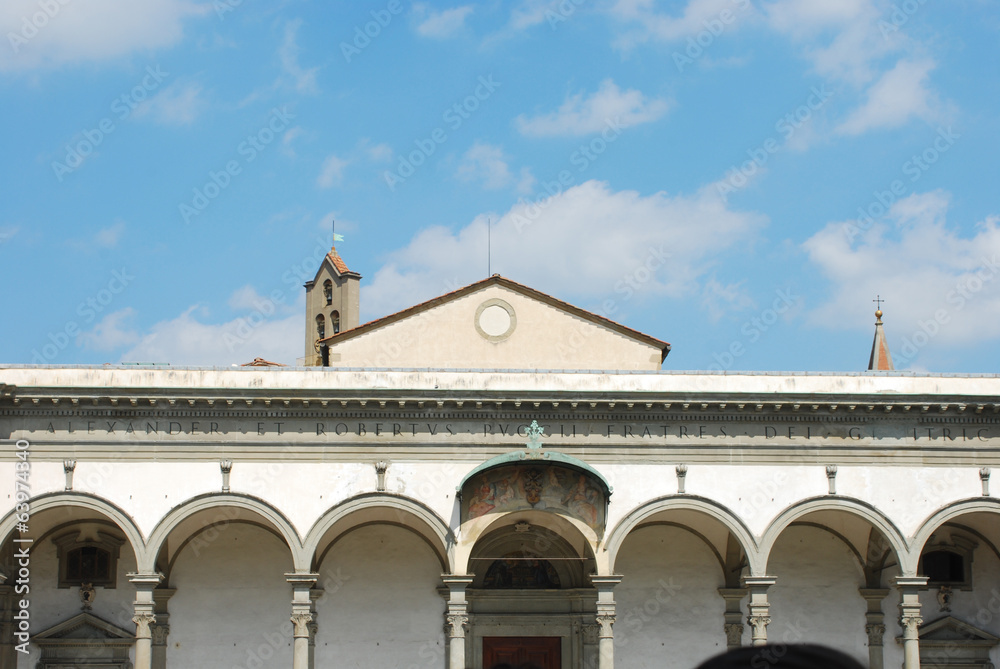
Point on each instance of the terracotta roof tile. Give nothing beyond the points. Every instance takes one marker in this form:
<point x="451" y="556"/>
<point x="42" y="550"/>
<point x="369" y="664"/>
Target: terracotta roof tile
<point x="337" y="261"/>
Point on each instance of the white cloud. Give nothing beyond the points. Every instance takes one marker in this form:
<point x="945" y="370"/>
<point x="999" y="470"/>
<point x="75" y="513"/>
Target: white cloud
<point x="901" y="94"/>
<point x="111" y="332"/>
<point x="189" y="340"/>
<point x="104" y="238"/>
<point x="486" y="163"/>
<point x="332" y="172"/>
<point x="303" y="80"/>
<point x="180" y="103"/>
<point x="441" y="24"/>
<point x="651" y="24"/>
<point x="587" y="243"/>
<point x="288" y="139"/>
<point x="933" y="278"/>
<point x="109" y="236"/>
<point x="95" y="30"/>
<point x="609" y="106"/>
<point x="721" y="299"/>
<point x="7" y="233"/>
<point x="379" y="153"/>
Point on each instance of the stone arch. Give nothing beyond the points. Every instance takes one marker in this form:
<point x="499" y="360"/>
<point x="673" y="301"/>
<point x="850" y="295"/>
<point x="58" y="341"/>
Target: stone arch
<point x="945" y="514"/>
<point x="561" y="525"/>
<point x="180" y="513"/>
<point x="849" y="505"/>
<point x="385" y="508"/>
<point x="710" y="508"/>
<point x="85" y="501"/>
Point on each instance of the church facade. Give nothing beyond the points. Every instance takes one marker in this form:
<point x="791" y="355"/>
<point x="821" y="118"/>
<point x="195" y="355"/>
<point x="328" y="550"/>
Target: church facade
<point x="492" y="476"/>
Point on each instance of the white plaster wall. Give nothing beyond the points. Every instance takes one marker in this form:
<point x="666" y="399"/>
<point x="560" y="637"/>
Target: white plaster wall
<point x="669" y="610"/>
<point x="816" y="596"/>
<point x="909" y="495"/>
<point x="43" y="477"/>
<point x="303" y="492"/>
<point x="381" y="608"/>
<point x="232" y="604"/>
<point x="147" y="490"/>
<point x="50" y="605"/>
<point x="755" y="494"/>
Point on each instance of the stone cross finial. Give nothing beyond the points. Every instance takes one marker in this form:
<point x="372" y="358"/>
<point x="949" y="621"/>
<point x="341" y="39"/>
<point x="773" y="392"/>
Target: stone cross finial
<point x="534" y="440"/>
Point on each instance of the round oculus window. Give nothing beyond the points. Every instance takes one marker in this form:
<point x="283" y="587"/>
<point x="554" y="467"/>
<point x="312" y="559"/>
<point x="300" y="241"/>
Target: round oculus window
<point x="495" y="320"/>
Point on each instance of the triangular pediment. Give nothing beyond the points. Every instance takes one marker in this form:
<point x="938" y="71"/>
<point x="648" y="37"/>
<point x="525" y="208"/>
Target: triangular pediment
<point x="496" y="324"/>
<point x="83" y="626"/>
<point x="950" y="628"/>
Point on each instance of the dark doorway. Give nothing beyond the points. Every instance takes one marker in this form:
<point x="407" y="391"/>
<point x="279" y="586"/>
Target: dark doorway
<point x="543" y="651"/>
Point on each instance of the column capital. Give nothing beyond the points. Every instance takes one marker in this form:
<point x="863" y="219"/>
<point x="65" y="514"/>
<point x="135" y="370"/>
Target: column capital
<point x="875" y="632"/>
<point x="301" y="620"/>
<point x="456" y="625"/>
<point x="606" y="622"/>
<point x="143" y="622"/>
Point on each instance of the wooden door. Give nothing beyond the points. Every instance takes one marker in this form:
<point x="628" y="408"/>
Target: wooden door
<point x="543" y="651"/>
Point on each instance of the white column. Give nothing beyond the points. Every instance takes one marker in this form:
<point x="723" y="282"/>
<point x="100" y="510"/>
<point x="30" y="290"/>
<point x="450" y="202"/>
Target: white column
<point x="760" y="609"/>
<point x="301" y="616"/>
<point x="909" y="617"/>
<point x="144" y="617"/>
<point x="606" y="619"/>
<point x="457" y="618"/>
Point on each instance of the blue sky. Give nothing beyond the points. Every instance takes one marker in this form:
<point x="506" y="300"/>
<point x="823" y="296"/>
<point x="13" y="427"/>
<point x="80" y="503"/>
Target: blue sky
<point x="740" y="178"/>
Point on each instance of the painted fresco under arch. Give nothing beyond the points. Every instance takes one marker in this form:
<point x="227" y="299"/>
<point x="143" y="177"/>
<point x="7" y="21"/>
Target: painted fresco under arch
<point x="542" y="487"/>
